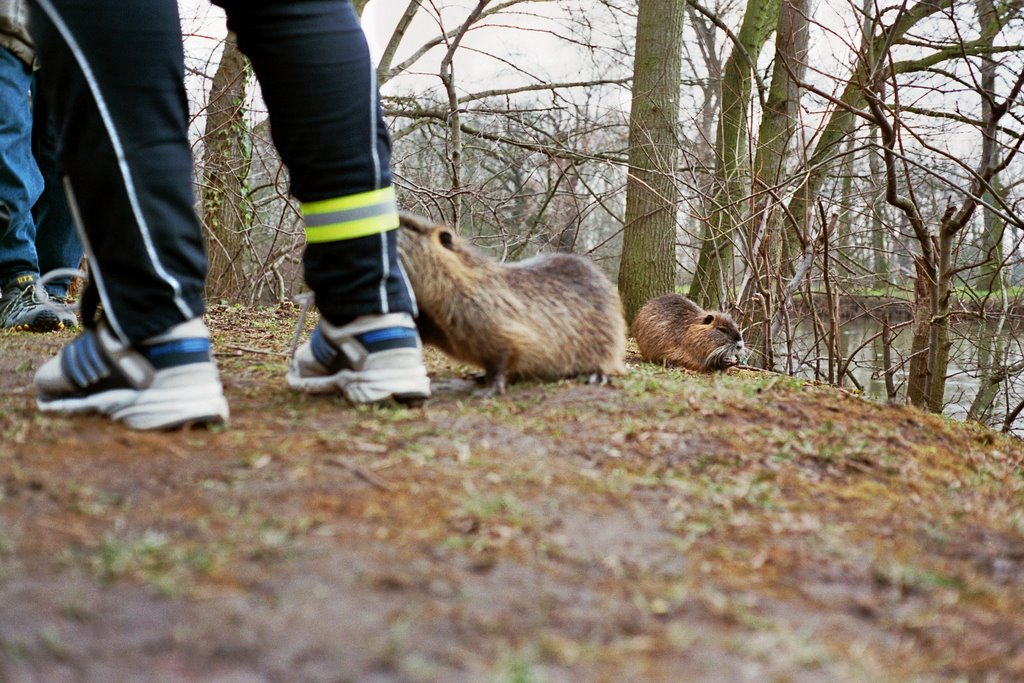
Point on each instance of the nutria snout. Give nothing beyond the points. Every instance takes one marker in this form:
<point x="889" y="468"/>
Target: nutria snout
<point x="673" y="329"/>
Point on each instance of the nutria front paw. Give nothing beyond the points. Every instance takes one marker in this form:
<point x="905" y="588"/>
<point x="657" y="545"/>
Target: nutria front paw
<point x="494" y="385"/>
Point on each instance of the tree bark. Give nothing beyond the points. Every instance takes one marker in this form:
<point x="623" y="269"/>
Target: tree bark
<point x="716" y="252"/>
<point x="223" y="176"/>
<point x="778" y="126"/>
<point x="648" y="262"/>
<point x="991" y="272"/>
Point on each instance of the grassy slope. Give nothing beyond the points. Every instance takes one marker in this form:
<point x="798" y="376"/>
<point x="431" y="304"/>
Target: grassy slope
<point x="672" y="527"/>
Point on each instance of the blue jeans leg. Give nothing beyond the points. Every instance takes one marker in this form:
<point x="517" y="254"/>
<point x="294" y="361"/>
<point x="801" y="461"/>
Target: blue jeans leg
<point x="20" y="180"/>
<point x="57" y="243"/>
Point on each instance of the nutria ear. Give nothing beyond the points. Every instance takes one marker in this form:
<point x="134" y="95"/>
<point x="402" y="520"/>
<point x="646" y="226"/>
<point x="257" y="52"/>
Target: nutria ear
<point x="410" y="222"/>
<point x="445" y="238"/>
<point x="708" y="319"/>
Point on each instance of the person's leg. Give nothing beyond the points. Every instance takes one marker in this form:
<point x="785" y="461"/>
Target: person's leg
<point x="57" y="243"/>
<point x="20" y="186"/>
<point x="20" y="182"/>
<point x="115" y="77"/>
<point x="314" y="67"/>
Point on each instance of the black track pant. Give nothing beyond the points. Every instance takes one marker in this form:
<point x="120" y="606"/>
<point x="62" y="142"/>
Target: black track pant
<point x="115" y="75"/>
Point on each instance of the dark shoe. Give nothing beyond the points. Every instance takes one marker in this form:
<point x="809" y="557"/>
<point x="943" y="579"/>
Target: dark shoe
<point x="28" y="309"/>
<point x="66" y="310"/>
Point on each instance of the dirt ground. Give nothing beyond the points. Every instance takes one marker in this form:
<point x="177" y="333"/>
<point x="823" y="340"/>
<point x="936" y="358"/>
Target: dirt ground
<point x="672" y="527"/>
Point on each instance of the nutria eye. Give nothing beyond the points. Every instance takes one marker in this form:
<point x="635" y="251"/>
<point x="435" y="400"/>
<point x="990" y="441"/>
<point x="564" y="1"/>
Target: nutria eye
<point x="445" y="238"/>
<point x="709" y="319"/>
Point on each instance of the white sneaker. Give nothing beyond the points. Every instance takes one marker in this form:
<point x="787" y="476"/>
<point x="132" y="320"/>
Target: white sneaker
<point x="371" y="359"/>
<point x="165" y="382"/>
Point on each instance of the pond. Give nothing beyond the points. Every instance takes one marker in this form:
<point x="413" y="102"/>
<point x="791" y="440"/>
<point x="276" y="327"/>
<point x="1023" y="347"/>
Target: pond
<point x="977" y="345"/>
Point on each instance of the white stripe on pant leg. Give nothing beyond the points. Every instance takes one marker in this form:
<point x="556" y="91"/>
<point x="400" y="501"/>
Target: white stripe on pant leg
<point x="408" y="289"/>
<point x="386" y="268"/>
<point x="377" y="179"/>
<point x="122" y="163"/>
<point x="94" y="267"/>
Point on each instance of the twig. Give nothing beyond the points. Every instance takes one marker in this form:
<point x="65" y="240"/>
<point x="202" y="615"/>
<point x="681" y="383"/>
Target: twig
<point x="753" y="368"/>
<point x="370" y="479"/>
<point x="249" y="349"/>
<point x="890" y="385"/>
<point x="1011" y="416"/>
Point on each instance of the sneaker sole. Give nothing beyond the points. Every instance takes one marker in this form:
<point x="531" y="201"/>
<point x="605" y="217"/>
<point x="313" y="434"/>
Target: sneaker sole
<point x="404" y="385"/>
<point x="46" y="321"/>
<point x="151" y="409"/>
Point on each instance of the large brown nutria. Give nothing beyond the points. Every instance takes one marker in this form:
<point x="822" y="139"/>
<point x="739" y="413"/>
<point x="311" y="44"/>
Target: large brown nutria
<point x="672" y="329"/>
<point x="547" y="317"/>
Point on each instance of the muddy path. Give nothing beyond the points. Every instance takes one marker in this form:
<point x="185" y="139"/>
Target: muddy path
<point x="673" y="527"/>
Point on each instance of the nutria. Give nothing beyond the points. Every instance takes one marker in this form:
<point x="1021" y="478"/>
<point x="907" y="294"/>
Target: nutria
<point x="547" y="317"/>
<point x="672" y="329"/>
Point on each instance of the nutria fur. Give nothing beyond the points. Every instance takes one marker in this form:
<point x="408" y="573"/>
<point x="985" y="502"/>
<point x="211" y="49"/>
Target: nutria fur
<point x="672" y="329"/>
<point x="548" y="317"/>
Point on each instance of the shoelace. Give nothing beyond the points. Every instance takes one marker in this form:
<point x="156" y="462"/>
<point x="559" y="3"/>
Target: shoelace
<point x="43" y="297"/>
<point x="306" y="300"/>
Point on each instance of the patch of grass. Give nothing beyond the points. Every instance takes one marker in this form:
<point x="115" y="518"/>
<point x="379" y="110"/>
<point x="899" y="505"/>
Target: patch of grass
<point x="488" y="508"/>
<point x="6" y="544"/>
<point x="419" y="453"/>
<point x="89" y="501"/>
<point x="780" y="644"/>
<point x="152" y="558"/>
<point x="13" y="651"/>
<point x="519" y="667"/>
<point x="911" y="579"/>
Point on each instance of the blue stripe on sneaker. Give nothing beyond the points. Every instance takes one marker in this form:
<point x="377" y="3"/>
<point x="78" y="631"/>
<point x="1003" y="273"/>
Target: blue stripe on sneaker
<point x="387" y="334"/>
<point x="389" y="338"/>
<point x="82" y="362"/>
<point x="178" y="352"/>
<point x="323" y="350"/>
<point x="72" y="366"/>
<point x="82" y="359"/>
<point x="92" y="357"/>
<point x="194" y="345"/>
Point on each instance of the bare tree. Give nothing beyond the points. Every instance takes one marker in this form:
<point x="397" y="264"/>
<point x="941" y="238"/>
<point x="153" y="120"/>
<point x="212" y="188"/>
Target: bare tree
<point x="225" y="166"/>
<point x="716" y="253"/>
<point x="763" y="235"/>
<point x="648" y="248"/>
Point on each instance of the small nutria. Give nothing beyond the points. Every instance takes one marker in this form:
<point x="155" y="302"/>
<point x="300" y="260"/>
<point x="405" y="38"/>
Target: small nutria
<point x="547" y="317"/>
<point x="672" y="329"/>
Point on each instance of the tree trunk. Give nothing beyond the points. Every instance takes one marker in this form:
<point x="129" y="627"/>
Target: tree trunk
<point x="991" y="279"/>
<point x="992" y="343"/>
<point x="990" y="275"/>
<point x="716" y="252"/>
<point x="778" y="125"/>
<point x="954" y="219"/>
<point x="919" y="374"/>
<point x="648" y="249"/>
<point x="879" y="259"/>
<point x="224" y="170"/>
<point x="940" y="323"/>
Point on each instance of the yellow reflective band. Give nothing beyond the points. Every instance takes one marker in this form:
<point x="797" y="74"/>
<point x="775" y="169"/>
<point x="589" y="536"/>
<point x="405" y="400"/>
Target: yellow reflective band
<point x="351" y="229"/>
<point x="345" y="218"/>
